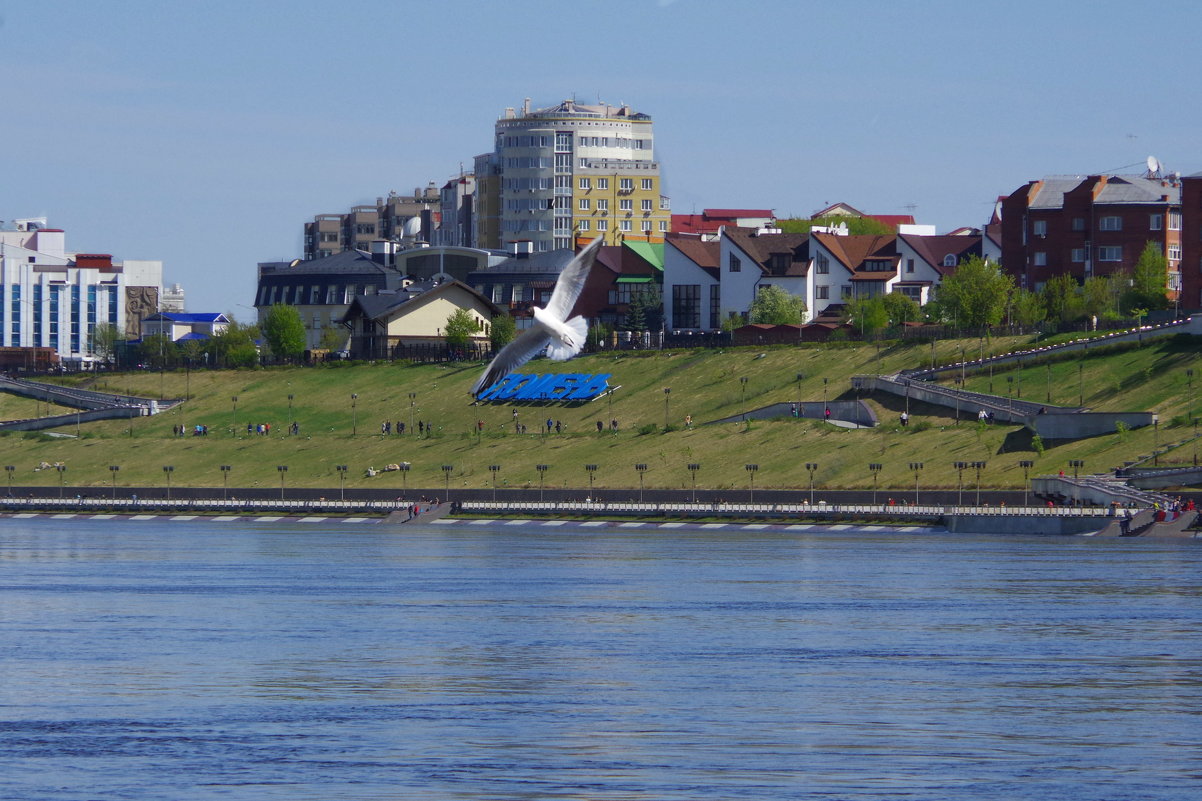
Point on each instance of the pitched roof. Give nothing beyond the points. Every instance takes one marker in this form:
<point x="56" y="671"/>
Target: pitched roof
<point x="764" y="248"/>
<point x="853" y="251"/>
<point x="189" y="319"/>
<point x="704" y="253"/>
<point x="382" y="305"/>
<point x="346" y="261"/>
<point x="934" y="249"/>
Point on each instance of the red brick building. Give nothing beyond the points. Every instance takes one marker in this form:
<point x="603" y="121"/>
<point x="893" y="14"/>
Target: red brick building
<point x="1095" y="225"/>
<point x="1191" y="242"/>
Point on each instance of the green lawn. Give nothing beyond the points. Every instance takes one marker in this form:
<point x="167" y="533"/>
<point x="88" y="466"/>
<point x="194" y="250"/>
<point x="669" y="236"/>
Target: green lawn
<point x="704" y="384"/>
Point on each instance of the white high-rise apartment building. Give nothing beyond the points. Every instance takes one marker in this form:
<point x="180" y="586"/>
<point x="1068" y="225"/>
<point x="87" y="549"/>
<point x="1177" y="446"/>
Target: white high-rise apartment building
<point x="52" y="298"/>
<point x="573" y="172"/>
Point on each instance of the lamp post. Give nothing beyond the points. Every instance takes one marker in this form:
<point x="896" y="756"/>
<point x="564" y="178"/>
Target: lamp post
<point x="1195" y="446"/>
<point x="354" y="414"/>
<point x="591" y="468"/>
<point x="61" y="468"/>
<point x="1155" y="439"/>
<point x="1049" y="366"/>
<point x="225" y="481"/>
<point x="542" y="471"/>
<point x="10" y="469"/>
<point x="1026" y="465"/>
<point x="960" y="468"/>
<point x="412" y="403"/>
<point x="291" y="419"/>
<point x="743" y="396"/>
<point x="1080" y="383"/>
<point x="113" y="468"/>
<point x="800" y="377"/>
<point x="1189" y="375"/>
<point x="693" y="468"/>
<point x="1019" y="393"/>
<point x="1076" y="464"/>
<point x="1010" y="393"/>
<point x="233" y="417"/>
<point x="446" y="474"/>
<point x="341" y="468"/>
<point x="751" y="470"/>
<point x="282" y="469"/>
<point x="825" y="406"/>
<point x="812" y="467"/>
<point x="667" y="395"/>
<point x="167" y="471"/>
<point x="641" y="468"/>
<point x="875" y="467"/>
<point x="979" y="467"/>
<point x="916" y="467"/>
<point x="959" y="386"/>
<point x="494" y="469"/>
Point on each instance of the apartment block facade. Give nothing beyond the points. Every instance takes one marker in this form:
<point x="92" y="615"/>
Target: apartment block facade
<point x="404" y="220"/>
<point x="569" y="173"/>
<point x="1191" y="242"/>
<point x="1096" y="225"/>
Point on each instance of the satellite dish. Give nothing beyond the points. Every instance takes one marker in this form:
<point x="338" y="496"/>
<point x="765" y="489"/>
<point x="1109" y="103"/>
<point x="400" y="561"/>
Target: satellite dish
<point x="1153" y="165"/>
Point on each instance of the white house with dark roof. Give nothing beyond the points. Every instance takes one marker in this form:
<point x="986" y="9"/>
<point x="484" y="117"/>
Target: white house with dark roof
<point x="415" y="315"/>
<point x="925" y="260"/>
<point x="181" y="326"/>
<point x="692" y="283"/>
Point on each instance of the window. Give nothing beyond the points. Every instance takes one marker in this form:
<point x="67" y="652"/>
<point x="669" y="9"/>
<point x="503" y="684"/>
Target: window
<point x="1174" y="252"/>
<point x="1040" y="259"/>
<point x="584" y="204"/>
<point x="1174" y="221"/>
<point x="822" y="292"/>
<point x="1039" y="228"/>
<point x="1078" y="255"/>
<point x="715" y="306"/>
<point x="686" y="305"/>
<point x="586" y="183"/>
<point x="602" y="204"/>
<point x="1113" y="223"/>
<point x="950" y="260"/>
<point x="603" y="183"/>
<point x="646" y="204"/>
<point x="626" y="204"/>
<point x="909" y="265"/>
<point x="624" y="225"/>
<point x="584" y="225"/>
<point x="663" y="225"/>
<point x="733" y="264"/>
<point x="1110" y="253"/>
<point x="824" y="264"/>
<point x="1155" y="222"/>
<point x="1078" y="223"/>
<point x="626" y="184"/>
<point x="648" y="184"/>
<point x="602" y="225"/>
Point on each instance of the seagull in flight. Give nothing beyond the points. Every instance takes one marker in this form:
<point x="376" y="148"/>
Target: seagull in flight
<point x="563" y="338"/>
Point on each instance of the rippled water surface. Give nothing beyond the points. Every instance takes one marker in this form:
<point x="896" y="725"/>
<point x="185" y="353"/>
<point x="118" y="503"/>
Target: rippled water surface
<point x="213" y="660"/>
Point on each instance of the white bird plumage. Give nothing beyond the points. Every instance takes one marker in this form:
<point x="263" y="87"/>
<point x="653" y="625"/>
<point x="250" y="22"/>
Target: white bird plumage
<point x="563" y="338"/>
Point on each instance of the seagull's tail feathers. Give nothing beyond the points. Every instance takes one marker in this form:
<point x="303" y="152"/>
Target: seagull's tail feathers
<point x="559" y="351"/>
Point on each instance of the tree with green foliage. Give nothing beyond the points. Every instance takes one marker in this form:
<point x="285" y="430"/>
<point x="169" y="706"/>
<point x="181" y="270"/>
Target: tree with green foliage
<point x="1149" y="281"/>
<point x="502" y="331"/>
<point x="460" y="327"/>
<point x="158" y="351"/>
<point x="333" y="337"/>
<point x="975" y="296"/>
<point x="774" y="306"/>
<point x="284" y="331"/>
<point x="856" y="226"/>
<point x="235" y="346"/>
<point x="1097" y="300"/>
<point x="1061" y="300"/>
<point x="1026" y="308"/>
<point x="645" y="310"/>
<point x="901" y="309"/>
<point x="105" y="337"/>
<point x="869" y="315"/>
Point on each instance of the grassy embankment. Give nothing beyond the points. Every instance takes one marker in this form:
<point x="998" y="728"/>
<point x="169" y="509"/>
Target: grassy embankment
<point x="704" y="384"/>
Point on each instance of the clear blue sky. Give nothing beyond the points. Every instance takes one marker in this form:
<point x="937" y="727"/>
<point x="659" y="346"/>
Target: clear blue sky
<point x="206" y="133"/>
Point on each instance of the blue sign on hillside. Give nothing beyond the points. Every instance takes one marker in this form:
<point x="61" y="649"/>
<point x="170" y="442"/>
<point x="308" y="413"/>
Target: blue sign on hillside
<point x="551" y="387"/>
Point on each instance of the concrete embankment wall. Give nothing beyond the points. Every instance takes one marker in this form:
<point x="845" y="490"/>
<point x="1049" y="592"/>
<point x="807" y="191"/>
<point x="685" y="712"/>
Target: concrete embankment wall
<point x="848" y="411"/>
<point x="1012" y="524"/>
<point x="1079" y="425"/>
<point x="61" y="420"/>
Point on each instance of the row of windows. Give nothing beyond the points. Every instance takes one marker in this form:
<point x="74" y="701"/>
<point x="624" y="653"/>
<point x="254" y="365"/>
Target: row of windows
<point x="623" y="225"/>
<point x="312" y="295"/>
<point x="1113" y="222"/>
<point x="624" y="184"/>
<point x="624" y="204"/>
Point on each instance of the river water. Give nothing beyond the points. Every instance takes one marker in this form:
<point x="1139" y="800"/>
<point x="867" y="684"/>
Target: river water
<point x="190" y="660"/>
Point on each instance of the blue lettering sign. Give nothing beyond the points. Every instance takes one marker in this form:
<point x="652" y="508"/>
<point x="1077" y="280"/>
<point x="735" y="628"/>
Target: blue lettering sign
<point x="551" y="387"/>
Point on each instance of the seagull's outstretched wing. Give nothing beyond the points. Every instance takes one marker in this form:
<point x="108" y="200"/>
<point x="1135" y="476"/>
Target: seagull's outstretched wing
<point x="512" y="356"/>
<point x="571" y="281"/>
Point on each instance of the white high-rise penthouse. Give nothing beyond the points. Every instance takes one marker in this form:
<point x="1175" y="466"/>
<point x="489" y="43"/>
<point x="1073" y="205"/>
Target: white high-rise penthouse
<point x="571" y="173"/>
